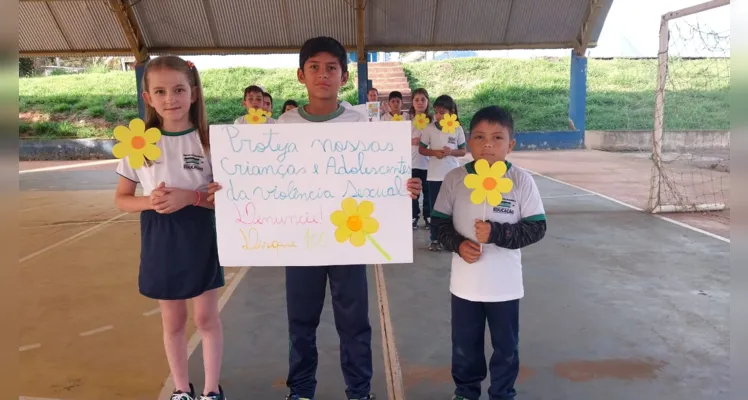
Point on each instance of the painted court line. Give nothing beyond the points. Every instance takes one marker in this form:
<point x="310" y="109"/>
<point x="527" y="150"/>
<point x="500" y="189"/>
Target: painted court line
<point x="195" y="339"/>
<point x="59" y="167"/>
<point x="681" y="224"/>
<point x="393" y="372"/>
<point x="30" y="347"/>
<point x="69" y="239"/>
<point x="97" y="330"/>
<point x="152" y="312"/>
<point x="124" y="221"/>
<point x="44" y="206"/>
<point x="563" y="196"/>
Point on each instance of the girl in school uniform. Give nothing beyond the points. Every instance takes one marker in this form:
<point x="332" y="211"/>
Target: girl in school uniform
<point x="179" y="252"/>
<point x="420" y="163"/>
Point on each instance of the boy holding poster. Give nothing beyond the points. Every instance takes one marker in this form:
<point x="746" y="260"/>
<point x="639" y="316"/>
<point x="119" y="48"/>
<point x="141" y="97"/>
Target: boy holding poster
<point x="323" y="70"/>
<point x="487" y="210"/>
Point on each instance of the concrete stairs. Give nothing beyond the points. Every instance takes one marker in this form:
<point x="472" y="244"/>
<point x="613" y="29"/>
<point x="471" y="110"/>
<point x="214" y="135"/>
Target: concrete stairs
<point x="388" y="77"/>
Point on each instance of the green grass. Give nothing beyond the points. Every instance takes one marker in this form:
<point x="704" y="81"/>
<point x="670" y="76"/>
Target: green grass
<point x="620" y="94"/>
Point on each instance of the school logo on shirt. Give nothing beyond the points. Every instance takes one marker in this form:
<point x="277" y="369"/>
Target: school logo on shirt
<point x="452" y="140"/>
<point x="505" y="207"/>
<point x="193" y="161"/>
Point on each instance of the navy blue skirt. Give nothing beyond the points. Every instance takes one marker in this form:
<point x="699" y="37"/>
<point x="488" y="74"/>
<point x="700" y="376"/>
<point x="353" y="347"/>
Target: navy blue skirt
<point x="179" y="254"/>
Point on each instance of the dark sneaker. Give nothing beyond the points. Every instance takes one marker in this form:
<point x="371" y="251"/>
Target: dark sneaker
<point x="428" y="223"/>
<point x="415" y="223"/>
<point x="214" y="396"/>
<point x="435" y="246"/>
<point x="371" y="396"/>
<point x="180" y="395"/>
<point x="297" y="397"/>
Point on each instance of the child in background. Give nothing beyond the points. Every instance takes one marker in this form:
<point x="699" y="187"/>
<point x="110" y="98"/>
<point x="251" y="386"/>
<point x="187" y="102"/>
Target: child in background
<point x="179" y="252"/>
<point x="395" y="104"/>
<point x="420" y="163"/>
<point x="486" y="284"/>
<point x="288" y="106"/>
<point x="442" y="148"/>
<point x="267" y="103"/>
<point x="323" y="69"/>
<point x="253" y="99"/>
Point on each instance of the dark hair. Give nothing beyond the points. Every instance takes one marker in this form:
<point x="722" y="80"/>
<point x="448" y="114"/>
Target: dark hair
<point x="266" y="94"/>
<point x="445" y="101"/>
<point x="494" y="115"/>
<point x="395" y="94"/>
<point x="253" y="89"/>
<point x="374" y="89"/>
<point x="412" y="111"/>
<point x="197" y="113"/>
<point x="323" y="44"/>
<point x="288" y="103"/>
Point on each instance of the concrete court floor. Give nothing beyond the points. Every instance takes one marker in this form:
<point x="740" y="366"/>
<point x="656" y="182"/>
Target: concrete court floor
<point x="619" y="305"/>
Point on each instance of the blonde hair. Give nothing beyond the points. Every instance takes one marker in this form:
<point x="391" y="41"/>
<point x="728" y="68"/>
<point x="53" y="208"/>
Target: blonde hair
<point x="197" y="113"/>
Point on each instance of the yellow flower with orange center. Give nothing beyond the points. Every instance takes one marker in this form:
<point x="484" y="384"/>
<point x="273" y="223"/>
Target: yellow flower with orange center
<point x="136" y="143"/>
<point x="256" y="116"/>
<point x="449" y="123"/>
<point x="355" y="224"/>
<point x="488" y="183"/>
<point x="421" y="121"/>
<point x="397" y="117"/>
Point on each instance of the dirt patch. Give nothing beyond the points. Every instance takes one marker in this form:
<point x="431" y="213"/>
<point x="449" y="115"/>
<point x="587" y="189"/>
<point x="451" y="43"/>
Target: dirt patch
<point x="76" y="119"/>
<point x="621" y="369"/>
<point x="416" y="374"/>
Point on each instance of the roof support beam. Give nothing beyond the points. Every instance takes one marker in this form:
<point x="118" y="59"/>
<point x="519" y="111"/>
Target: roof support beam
<point x="57" y="24"/>
<point x="360" y="30"/>
<point x="211" y="23"/>
<point x="588" y="26"/>
<point x="129" y="27"/>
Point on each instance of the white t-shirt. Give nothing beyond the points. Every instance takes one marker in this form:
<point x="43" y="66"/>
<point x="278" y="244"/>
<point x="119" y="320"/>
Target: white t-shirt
<point x="242" y="121"/>
<point x="342" y="114"/>
<point x="418" y="160"/>
<point x="183" y="164"/>
<point x="433" y="138"/>
<point x="497" y="275"/>
<point x="388" y="117"/>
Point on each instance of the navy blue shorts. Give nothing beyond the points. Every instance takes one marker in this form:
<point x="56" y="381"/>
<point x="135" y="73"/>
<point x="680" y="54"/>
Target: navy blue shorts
<point x="179" y="254"/>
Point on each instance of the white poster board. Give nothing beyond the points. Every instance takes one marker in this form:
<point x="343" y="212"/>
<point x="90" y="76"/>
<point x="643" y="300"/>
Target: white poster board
<point x="312" y="194"/>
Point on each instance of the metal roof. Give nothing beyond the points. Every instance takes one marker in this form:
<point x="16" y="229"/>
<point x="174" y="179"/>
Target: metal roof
<point x="140" y="27"/>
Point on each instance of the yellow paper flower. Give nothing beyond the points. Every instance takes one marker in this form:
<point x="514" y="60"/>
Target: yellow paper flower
<point x="397" y="117"/>
<point x="136" y="143"/>
<point x="267" y="114"/>
<point x="355" y="224"/>
<point x="449" y="123"/>
<point x="421" y="121"/>
<point x="488" y="183"/>
<point x="256" y="116"/>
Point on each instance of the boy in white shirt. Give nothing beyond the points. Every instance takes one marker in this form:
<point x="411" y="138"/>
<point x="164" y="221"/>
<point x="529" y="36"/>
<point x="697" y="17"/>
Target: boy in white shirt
<point x="442" y="148"/>
<point x="395" y="101"/>
<point x="486" y="282"/>
<point x="254" y="97"/>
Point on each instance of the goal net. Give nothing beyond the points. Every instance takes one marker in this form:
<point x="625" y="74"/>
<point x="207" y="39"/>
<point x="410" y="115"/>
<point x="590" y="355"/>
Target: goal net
<point x="691" y="136"/>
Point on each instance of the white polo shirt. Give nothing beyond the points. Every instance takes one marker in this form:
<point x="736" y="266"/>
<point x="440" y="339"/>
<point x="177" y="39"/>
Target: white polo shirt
<point x="418" y="160"/>
<point x="433" y="138"/>
<point x="497" y="275"/>
<point x="242" y="121"/>
<point x="183" y="164"/>
<point x="342" y="114"/>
